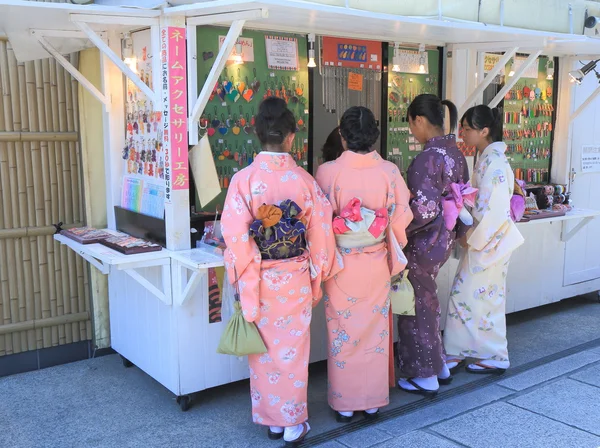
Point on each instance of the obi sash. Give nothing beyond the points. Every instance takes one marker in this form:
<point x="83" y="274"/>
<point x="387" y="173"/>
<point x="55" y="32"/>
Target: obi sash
<point x="358" y="226"/>
<point x="454" y="204"/>
<point x="278" y="231"/>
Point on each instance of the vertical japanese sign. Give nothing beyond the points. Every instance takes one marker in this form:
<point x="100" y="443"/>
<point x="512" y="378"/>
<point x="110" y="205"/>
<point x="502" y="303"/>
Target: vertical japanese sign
<point x="175" y="140"/>
<point x="178" y="110"/>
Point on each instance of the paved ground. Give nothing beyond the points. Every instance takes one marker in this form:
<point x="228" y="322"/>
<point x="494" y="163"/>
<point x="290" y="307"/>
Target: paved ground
<point x="550" y="398"/>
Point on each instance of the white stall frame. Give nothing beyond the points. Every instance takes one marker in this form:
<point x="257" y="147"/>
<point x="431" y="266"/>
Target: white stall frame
<point x="159" y="301"/>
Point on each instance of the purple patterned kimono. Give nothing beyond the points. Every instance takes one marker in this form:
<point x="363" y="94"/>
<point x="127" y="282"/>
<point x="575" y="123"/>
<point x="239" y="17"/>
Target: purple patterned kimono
<point x="420" y="351"/>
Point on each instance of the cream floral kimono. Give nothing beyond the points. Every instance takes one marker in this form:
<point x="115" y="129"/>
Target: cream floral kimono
<point x="476" y="323"/>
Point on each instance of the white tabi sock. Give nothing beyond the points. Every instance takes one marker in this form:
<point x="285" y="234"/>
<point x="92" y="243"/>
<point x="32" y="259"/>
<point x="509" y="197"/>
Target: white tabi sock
<point x="346" y="414"/>
<point x="430" y="383"/>
<point x="276" y="429"/>
<point x="292" y="433"/>
<point x="445" y="373"/>
<point x="491" y="363"/>
<point x="372" y="411"/>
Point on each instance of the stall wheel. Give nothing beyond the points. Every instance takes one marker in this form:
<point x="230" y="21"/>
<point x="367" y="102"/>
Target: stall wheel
<point x="184" y="402"/>
<point x="126" y="363"/>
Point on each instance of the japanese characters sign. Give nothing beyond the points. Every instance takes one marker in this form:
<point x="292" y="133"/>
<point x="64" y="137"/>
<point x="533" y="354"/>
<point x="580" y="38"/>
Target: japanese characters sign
<point x="174" y="84"/>
<point x="590" y="159"/>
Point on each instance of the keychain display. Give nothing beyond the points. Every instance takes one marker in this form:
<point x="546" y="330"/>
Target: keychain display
<point x="143" y="153"/>
<point x="528" y="126"/>
<point x="230" y="115"/>
<point x="403" y="88"/>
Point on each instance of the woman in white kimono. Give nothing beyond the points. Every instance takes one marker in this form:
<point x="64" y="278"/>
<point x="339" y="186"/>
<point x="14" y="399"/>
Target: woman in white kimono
<point x="476" y="323"/>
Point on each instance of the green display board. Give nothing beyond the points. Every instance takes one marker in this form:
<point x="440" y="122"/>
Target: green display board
<point x="230" y="114"/>
<point x="529" y="125"/>
<point x="402" y="89"/>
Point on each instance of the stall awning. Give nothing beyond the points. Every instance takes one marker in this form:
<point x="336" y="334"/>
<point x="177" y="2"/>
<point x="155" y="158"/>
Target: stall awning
<point x="303" y="17"/>
<point x="19" y="18"/>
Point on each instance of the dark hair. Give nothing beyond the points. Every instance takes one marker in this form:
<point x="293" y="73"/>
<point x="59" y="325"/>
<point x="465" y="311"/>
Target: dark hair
<point x="333" y="148"/>
<point x="480" y="117"/>
<point x="359" y="128"/>
<point x="274" y="121"/>
<point x="432" y="108"/>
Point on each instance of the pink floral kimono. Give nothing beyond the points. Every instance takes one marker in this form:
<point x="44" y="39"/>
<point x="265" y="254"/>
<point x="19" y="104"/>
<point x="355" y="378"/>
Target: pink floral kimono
<point x="278" y="295"/>
<point x="357" y="299"/>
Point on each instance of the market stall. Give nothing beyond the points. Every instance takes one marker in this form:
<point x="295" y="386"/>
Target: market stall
<point x="200" y="70"/>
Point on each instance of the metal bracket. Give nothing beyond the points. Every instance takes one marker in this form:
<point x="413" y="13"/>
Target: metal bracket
<point x="217" y="68"/>
<point x="40" y="36"/>
<point x="110" y="54"/>
<point x="584" y="105"/>
<point x="163" y="295"/>
<point x="566" y="236"/>
<point x="487" y="81"/>
<point x="513" y="80"/>
<point x="98" y="264"/>
<point x="182" y="294"/>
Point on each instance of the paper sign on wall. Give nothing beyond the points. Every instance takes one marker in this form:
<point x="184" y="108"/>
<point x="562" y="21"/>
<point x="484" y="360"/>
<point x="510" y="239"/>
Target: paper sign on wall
<point x="590" y="159"/>
<point x="282" y="53"/>
<point x="410" y="61"/>
<point x="355" y="82"/>
<point x="247" y="49"/>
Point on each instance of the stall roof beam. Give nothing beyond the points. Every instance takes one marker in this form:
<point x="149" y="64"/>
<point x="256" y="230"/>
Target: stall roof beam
<point x="487" y="80"/>
<point x="217" y="68"/>
<point x="210" y="19"/>
<point x="513" y="79"/>
<point x="107" y="51"/>
<point x="115" y="20"/>
<point x="584" y="105"/>
<point x="496" y="46"/>
<point x="70" y="68"/>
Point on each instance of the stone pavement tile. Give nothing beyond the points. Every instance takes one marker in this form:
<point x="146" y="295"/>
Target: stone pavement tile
<point x="595" y="350"/>
<point x="331" y="444"/>
<point x="418" y="439"/>
<point x="590" y="376"/>
<point x="567" y="401"/>
<point x="502" y="425"/>
<point x="442" y="411"/>
<point x="549" y="371"/>
<point x="364" y="438"/>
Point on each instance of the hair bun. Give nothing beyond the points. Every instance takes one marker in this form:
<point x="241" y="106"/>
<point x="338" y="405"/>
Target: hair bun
<point x="272" y="108"/>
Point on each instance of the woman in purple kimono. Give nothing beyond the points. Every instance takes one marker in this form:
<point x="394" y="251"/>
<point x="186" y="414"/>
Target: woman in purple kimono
<point x="430" y="243"/>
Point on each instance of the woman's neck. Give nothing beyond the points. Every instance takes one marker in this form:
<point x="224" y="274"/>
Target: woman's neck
<point x="274" y="148"/>
<point x="434" y="132"/>
<point x="481" y="147"/>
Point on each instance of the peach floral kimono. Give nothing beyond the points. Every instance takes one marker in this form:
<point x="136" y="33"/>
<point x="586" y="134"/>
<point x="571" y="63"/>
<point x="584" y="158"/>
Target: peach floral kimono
<point x="357" y="300"/>
<point x="278" y="294"/>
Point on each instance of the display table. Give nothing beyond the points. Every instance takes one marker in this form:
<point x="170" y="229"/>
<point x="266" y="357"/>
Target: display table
<point x="577" y="213"/>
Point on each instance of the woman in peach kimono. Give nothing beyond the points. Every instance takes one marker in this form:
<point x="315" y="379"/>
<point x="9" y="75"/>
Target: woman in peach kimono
<point x="370" y="202"/>
<point x="277" y="226"/>
<point x="476" y="323"/>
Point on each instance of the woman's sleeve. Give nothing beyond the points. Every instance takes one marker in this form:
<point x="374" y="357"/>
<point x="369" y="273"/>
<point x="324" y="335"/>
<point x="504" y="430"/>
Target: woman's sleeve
<point x="400" y="218"/>
<point x="320" y="241"/>
<point x="495" y="236"/>
<point x="426" y="187"/>
<point x="242" y="256"/>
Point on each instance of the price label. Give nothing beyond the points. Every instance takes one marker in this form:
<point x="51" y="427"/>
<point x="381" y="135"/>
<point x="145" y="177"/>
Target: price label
<point x="221" y="141"/>
<point x="224" y="104"/>
<point x="235" y="170"/>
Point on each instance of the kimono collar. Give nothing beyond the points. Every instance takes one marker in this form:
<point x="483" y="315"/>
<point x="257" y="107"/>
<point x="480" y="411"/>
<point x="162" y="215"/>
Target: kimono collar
<point x="496" y="146"/>
<point x="443" y="141"/>
<point x="355" y="160"/>
<point x="275" y="161"/>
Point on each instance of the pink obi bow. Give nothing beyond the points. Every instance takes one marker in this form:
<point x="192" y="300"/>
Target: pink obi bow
<point x="353" y="212"/>
<point x="453" y="204"/>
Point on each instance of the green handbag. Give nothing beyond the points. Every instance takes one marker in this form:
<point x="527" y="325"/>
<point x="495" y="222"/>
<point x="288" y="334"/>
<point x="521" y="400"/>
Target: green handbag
<point x="240" y="338"/>
<point x="402" y="295"/>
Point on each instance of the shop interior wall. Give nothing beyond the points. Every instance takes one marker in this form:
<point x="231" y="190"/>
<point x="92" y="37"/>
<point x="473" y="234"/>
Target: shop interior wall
<point x="94" y="183"/>
<point x="44" y="294"/>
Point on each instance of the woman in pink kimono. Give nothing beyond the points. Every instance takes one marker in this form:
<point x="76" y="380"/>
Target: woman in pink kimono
<point x="277" y="226"/>
<point x="476" y="323"/>
<point x="370" y="202"/>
